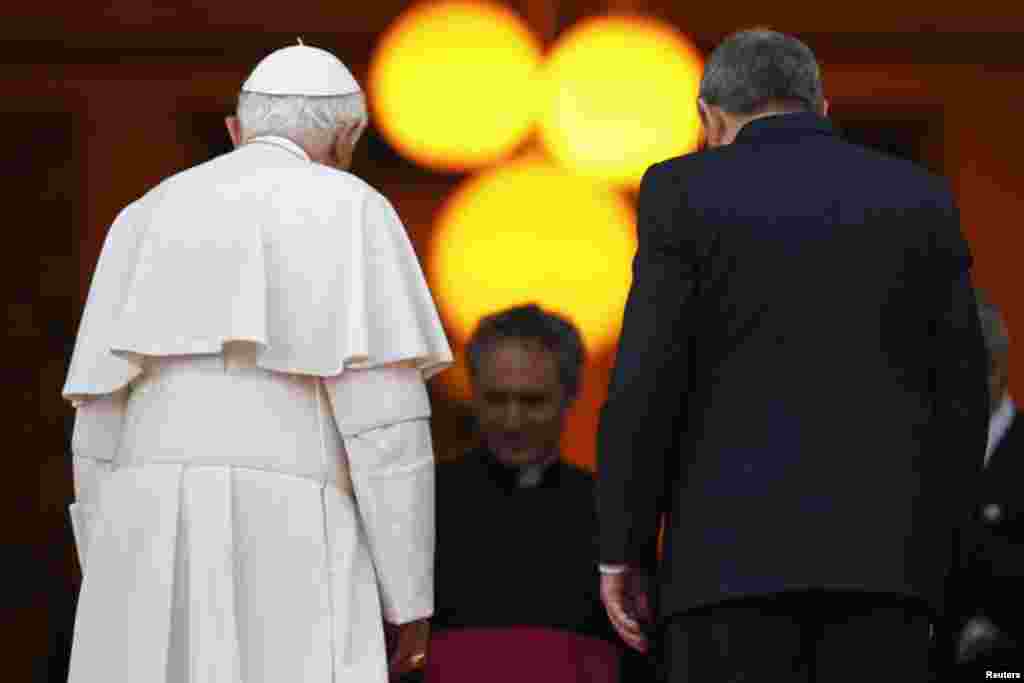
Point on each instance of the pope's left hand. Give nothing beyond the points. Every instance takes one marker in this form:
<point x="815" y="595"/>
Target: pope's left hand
<point x="626" y="599"/>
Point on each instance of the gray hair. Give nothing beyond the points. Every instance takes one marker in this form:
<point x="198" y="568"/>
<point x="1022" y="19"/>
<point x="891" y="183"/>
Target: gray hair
<point x="309" y="120"/>
<point x="532" y="323"/>
<point x="750" y="70"/>
<point x="993" y="327"/>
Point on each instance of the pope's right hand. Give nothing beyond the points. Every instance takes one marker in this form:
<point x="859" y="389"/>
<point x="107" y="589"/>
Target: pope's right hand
<point x="407" y="646"/>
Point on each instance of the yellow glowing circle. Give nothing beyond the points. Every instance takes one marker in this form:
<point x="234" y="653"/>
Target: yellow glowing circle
<point x="531" y="232"/>
<point x="453" y="85"/>
<point x="620" y="95"/>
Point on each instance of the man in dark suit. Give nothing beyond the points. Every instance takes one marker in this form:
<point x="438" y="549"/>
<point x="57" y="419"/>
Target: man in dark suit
<point x="799" y="393"/>
<point x="991" y="637"/>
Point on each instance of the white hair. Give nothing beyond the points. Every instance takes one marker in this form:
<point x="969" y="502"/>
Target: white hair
<point x="312" y="121"/>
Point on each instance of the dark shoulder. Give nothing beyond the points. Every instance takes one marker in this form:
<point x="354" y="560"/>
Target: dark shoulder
<point x="718" y="164"/>
<point x="676" y="169"/>
<point x="910" y="174"/>
<point x="680" y="167"/>
<point x="456" y="481"/>
<point x="573" y="476"/>
<point x="668" y="183"/>
<point x="468" y="465"/>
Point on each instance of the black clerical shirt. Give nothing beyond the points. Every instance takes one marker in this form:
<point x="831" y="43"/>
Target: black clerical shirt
<point x="515" y="555"/>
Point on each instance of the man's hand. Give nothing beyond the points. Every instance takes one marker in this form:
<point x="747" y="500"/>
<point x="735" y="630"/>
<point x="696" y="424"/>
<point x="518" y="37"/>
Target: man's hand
<point x="626" y="600"/>
<point x="407" y="646"/>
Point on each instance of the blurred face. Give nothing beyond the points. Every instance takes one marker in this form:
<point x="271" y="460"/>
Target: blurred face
<point x="519" y="402"/>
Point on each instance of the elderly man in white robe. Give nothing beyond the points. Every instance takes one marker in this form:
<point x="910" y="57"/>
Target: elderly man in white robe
<point x="252" y="457"/>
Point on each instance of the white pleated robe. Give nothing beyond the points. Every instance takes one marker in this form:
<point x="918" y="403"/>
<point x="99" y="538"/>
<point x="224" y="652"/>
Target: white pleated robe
<point x="249" y="377"/>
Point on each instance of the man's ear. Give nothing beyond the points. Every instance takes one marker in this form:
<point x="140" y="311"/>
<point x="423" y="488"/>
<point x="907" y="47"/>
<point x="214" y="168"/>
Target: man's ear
<point x="352" y="131"/>
<point x="714" y="123"/>
<point x="824" y="107"/>
<point x="234" y="129"/>
<point x="702" y="136"/>
<point x="332" y="150"/>
<point x="341" y="138"/>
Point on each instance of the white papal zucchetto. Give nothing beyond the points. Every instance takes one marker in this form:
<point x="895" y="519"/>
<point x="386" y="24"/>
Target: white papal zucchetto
<point x="301" y="70"/>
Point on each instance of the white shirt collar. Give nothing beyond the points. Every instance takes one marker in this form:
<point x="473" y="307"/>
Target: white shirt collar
<point x="530" y="476"/>
<point x="283" y="143"/>
<point x="999" y="424"/>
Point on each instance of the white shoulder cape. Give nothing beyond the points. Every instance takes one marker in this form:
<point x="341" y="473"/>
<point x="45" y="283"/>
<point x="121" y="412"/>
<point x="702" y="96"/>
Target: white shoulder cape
<point x="309" y="263"/>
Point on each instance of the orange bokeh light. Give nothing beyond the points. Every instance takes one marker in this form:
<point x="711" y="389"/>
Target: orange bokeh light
<point x="620" y="94"/>
<point x="531" y="232"/>
<point x="453" y="84"/>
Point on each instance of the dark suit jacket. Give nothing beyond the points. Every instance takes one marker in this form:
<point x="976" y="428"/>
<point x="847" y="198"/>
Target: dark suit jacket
<point x="800" y="384"/>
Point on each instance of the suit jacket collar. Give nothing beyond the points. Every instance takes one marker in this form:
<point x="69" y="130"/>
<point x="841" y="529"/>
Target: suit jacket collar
<point x="779" y="126"/>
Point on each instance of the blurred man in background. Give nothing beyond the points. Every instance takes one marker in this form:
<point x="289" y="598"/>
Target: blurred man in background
<point x="992" y="636"/>
<point x="516" y="555"/>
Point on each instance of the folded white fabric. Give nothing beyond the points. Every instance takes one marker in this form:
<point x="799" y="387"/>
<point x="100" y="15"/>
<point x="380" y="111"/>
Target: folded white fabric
<point x="94" y="443"/>
<point x="191" y="484"/>
<point x="392" y="471"/>
<point x="382" y="414"/>
<point x="368" y="399"/>
<point x="311" y="264"/>
<point x="80" y="514"/>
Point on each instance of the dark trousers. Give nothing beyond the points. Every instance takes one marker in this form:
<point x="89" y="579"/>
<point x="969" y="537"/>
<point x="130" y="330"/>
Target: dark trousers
<point x="819" y="637"/>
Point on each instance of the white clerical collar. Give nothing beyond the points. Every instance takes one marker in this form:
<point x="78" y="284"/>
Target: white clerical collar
<point x="283" y="143"/>
<point x="530" y="476"/>
<point x="999" y="424"/>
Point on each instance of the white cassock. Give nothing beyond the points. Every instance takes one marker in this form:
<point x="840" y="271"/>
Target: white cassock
<point x="253" y="465"/>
